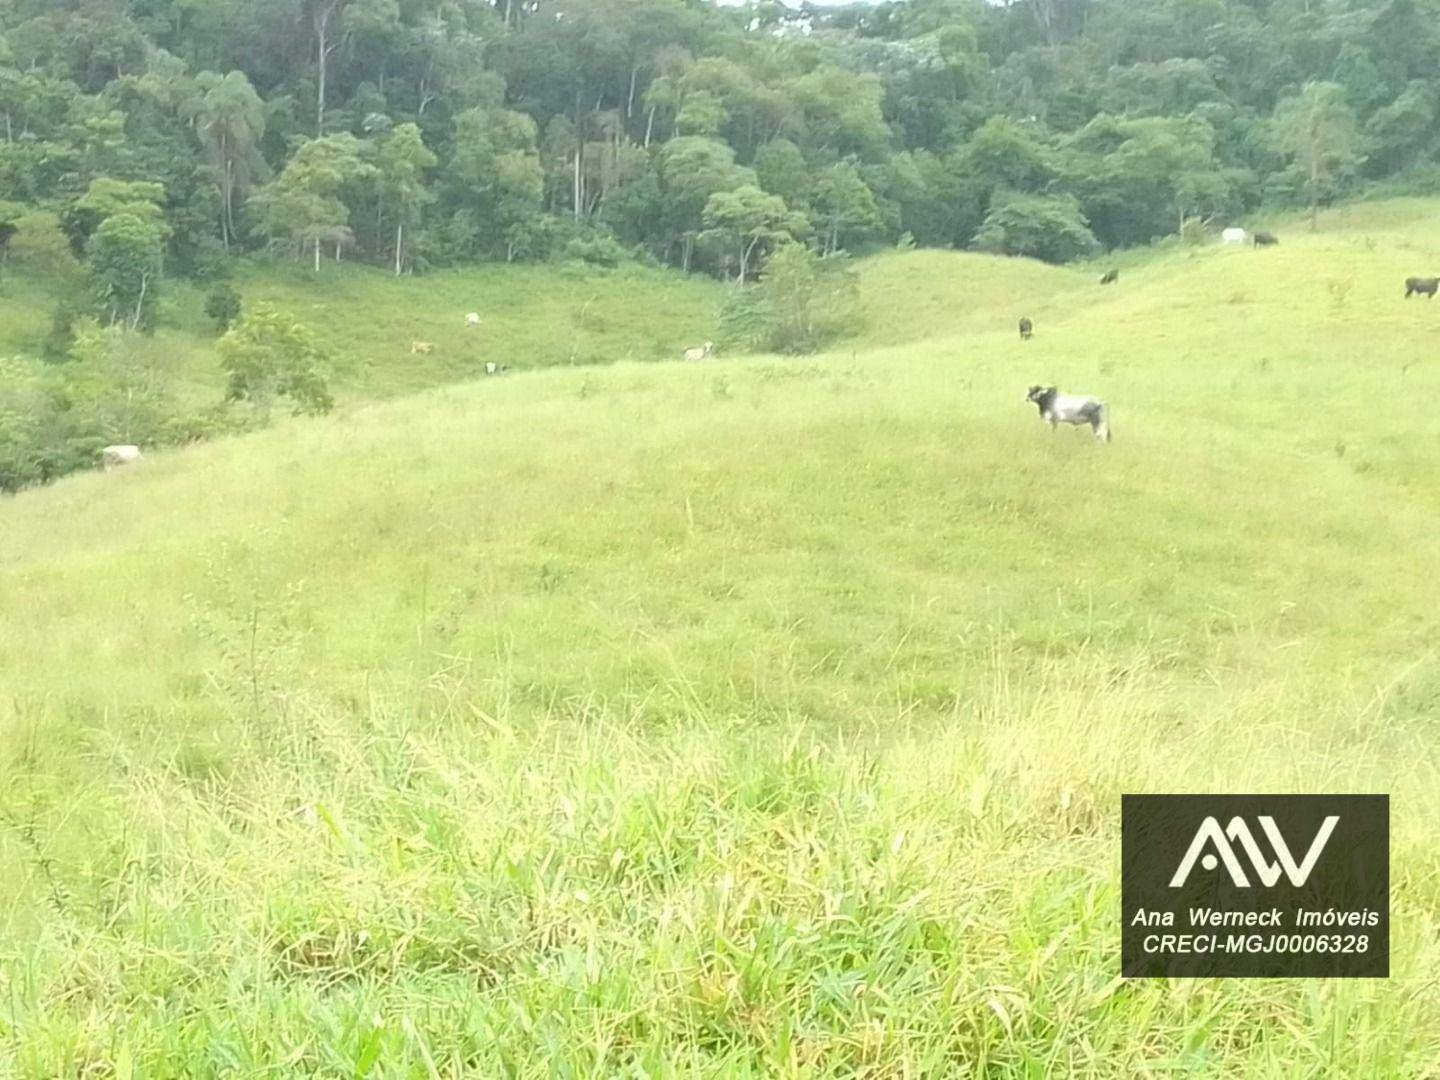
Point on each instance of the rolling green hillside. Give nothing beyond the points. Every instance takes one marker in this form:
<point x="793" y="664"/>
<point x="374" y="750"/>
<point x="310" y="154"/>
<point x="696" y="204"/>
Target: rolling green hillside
<point x="533" y="316"/>
<point x="763" y="717"/>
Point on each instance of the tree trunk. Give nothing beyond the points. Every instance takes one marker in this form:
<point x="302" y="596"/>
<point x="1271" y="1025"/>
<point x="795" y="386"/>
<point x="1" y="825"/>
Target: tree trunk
<point x="227" y="195"/>
<point x="320" y="93"/>
<point x="399" y="246"/>
<point x="317" y="255"/>
<point x="140" y="301"/>
<point x="649" y="126"/>
<point x="745" y="257"/>
<point x="578" y="192"/>
<point x="320" y="18"/>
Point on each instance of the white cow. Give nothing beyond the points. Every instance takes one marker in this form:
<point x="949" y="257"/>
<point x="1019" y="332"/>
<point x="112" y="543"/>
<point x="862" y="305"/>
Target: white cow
<point x="115" y="456"/>
<point x="701" y="353"/>
<point x="1233" y="236"/>
<point x="473" y="319"/>
<point x="1057" y="408"/>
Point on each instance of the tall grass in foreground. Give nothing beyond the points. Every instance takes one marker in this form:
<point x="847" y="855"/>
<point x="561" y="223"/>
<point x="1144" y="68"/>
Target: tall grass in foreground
<point x="369" y="893"/>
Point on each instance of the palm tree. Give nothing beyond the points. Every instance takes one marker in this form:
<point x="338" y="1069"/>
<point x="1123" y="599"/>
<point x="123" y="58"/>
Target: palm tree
<point x="230" y="117"/>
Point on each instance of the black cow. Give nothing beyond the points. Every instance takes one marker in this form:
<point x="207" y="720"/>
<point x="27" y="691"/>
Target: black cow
<point x="1425" y="286"/>
<point x="1026" y="329"/>
<point x="1265" y="239"/>
<point x="1111" y="276"/>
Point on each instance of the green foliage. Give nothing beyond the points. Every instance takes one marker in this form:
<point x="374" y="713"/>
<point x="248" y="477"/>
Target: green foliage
<point x="231" y="118"/>
<point x="416" y="135"/>
<point x="54" y="418"/>
<point x="1318" y="132"/>
<point x="106" y="198"/>
<point x="801" y="303"/>
<point x="268" y="356"/>
<point x="401" y="162"/>
<point x="125" y="256"/>
<point x="222" y="304"/>
<point x="747" y="223"/>
<point x="1049" y="228"/>
<point x="306" y="207"/>
<point x="61" y="338"/>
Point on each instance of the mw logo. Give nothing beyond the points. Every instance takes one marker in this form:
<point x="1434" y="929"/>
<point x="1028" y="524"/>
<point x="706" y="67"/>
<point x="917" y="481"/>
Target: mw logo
<point x="1268" y="872"/>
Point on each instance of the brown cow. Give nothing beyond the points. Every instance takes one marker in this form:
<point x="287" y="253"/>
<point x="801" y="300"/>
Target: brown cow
<point x="1026" y="329"/>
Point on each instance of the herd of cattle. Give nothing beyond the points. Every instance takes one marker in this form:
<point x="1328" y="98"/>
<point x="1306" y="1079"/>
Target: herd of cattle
<point x="1055" y="407"/>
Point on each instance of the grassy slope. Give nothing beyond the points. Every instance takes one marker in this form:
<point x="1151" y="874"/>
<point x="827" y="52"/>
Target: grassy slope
<point x="534" y="316"/>
<point x="767" y="717"/>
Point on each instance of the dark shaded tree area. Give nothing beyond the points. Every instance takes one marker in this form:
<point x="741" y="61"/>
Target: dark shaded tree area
<point x="413" y="133"/>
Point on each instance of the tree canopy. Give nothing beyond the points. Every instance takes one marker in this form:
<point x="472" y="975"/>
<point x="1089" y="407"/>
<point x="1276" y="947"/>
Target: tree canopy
<point x="419" y="133"/>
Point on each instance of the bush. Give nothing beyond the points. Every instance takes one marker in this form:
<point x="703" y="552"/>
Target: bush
<point x="267" y="356"/>
<point x="223" y="305"/>
<point x="54" y="418"/>
<point x="1046" y="227"/>
<point x="801" y="303"/>
<point x="1194" y="232"/>
<point x="61" y="338"/>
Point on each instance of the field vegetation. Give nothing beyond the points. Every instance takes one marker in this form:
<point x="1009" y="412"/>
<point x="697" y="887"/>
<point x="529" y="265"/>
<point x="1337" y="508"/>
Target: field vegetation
<point x="766" y="716"/>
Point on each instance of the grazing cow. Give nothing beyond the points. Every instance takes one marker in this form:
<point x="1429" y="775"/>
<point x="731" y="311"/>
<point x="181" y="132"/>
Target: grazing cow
<point x="1233" y="236"/>
<point x="473" y="319"/>
<point x="1057" y="408"/>
<point x="113" y="457"/>
<point x="701" y="353"/>
<point x="1265" y="239"/>
<point x="421" y="348"/>
<point x="492" y="368"/>
<point x="1026" y="329"/>
<point x="1425" y="286"/>
<point x="1111" y="276"/>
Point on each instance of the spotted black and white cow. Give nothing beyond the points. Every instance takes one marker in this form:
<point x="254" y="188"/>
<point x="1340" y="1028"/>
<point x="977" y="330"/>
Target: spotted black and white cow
<point x="1057" y="408"/>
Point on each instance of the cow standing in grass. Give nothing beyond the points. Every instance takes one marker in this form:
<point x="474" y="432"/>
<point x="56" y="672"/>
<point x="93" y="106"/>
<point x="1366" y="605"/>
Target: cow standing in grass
<point x="115" y="457"/>
<point x="1265" y="239"/>
<point x="1026" y="329"/>
<point x="1057" y="408"/>
<point x="1111" y="276"/>
<point x="1425" y="286"/>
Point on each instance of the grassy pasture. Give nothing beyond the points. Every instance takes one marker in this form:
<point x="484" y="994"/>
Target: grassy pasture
<point x="533" y="316"/>
<point x="765" y="717"/>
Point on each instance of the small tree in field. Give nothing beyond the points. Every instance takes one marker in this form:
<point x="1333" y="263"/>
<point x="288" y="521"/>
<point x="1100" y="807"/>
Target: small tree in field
<point x="269" y="356"/>
<point x="9" y="227"/>
<point x="1317" y="131"/>
<point x="223" y="305"/>
<point x="801" y="303"/>
<point x="125" y="254"/>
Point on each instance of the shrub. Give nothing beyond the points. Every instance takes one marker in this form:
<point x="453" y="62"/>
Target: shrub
<point x="801" y="303"/>
<point x="1046" y="227"/>
<point x="223" y="305"/>
<point x="268" y="356"/>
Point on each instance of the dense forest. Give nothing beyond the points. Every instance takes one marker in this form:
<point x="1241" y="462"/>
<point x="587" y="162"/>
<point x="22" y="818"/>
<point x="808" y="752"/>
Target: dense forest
<point x="145" y="141"/>
<point x="169" y="135"/>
